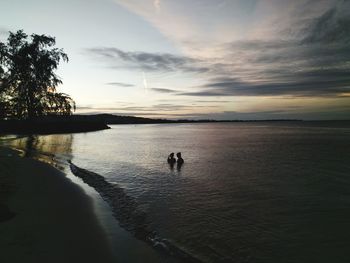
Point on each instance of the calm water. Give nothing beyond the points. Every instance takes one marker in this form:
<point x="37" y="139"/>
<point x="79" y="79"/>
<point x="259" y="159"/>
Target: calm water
<point x="248" y="192"/>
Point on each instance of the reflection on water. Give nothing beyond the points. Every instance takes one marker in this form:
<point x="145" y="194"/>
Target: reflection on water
<point x="178" y="166"/>
<point x="52" y="149"/>
<point x="247" y="192"/>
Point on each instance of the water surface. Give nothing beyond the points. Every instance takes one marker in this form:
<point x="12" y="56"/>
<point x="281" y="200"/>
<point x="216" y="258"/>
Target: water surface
<point x="248" y="192"/>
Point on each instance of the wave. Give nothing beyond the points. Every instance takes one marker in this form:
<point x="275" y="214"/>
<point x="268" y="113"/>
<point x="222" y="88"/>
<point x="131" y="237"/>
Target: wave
<point x="130" y="217"/>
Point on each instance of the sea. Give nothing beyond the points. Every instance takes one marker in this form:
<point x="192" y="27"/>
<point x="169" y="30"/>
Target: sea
<point x="247" y="191"/>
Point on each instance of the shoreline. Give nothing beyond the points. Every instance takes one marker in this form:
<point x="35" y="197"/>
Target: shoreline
<point x="54" y="126"/>
<point x="52" y="218"/>
<point x="125" y="210"/>
<point x="47" y="214"/>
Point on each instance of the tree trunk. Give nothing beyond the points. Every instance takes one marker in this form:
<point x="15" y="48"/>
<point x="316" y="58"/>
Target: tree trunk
<point x="30" y="103"/>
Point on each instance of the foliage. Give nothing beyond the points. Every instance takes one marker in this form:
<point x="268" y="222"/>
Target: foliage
<point x="27" y="77"/>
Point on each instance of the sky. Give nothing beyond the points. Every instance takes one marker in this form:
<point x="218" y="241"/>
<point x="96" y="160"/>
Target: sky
<point x="198" y="59"/>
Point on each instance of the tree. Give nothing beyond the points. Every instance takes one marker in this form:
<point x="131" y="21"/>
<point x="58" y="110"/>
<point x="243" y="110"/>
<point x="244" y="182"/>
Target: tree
<point x="27" y="77"/>
<point x="4" y="104"/>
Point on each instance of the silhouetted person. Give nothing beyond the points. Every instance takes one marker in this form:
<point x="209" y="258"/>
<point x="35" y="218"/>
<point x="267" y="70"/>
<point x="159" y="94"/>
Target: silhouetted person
<point x="171" y="160"/>
<point x="180" y="161"/>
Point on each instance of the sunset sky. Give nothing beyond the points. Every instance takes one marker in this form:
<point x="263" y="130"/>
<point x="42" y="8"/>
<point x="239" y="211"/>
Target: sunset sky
<point x="239" y="59"/>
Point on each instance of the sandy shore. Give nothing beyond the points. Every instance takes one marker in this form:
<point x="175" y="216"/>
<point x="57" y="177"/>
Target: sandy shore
<point x="44" y="217"/>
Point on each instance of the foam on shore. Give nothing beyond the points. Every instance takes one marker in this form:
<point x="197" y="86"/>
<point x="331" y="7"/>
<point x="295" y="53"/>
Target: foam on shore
<point x="129" y="216"/>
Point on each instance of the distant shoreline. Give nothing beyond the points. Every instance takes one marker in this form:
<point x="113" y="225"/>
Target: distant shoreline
<point x="89" y="123"/>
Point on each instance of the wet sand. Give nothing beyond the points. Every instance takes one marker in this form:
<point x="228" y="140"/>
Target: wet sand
<point x="44" y="217"/>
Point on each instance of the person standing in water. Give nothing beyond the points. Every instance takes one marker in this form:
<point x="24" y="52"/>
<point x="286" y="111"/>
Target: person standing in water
<point x="171" y="159"/>
<point x="180" y="161"/>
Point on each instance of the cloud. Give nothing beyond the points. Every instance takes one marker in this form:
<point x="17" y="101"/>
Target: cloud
<point x="181" y="111"/>
<point x="333" y="26"/>
<point x="305" y="86"/>
<point x="300" y="48"/>
<point x="262" y="68"/>
<point x="314" y="63"/>
<point x="146" y="61"/>
<point x="161" y="107"/>
<point x="120" y="84"/>
<point x="160" y="90"/>
<point x="212" y="101"/>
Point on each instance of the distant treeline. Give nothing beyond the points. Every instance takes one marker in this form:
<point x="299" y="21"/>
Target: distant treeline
<point x="118" y="119"/>
<point x="84" y="123"/>
<point x="47" y="126"/>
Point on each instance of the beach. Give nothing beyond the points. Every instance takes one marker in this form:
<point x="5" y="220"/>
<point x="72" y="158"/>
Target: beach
<point x="44" y="217"/>
<point x="49" y="215"/>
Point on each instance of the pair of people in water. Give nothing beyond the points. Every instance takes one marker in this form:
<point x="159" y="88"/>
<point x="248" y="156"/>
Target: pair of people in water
<point x="172" y="160"/>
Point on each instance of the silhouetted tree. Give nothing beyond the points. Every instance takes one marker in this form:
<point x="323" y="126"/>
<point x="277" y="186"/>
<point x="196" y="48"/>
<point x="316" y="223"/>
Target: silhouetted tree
<point x="4" y="104"/>
<point x="27" y="77"/>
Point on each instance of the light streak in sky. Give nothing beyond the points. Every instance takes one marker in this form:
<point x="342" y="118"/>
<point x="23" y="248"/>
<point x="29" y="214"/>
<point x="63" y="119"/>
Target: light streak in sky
<point x="145" y="85"/>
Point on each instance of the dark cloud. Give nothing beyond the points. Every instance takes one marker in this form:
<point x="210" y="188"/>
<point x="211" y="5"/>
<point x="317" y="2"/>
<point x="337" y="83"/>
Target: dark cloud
<point x="161" y="108"/>
<point x="120" y="84"/>
<point x="212" y="101"/>
<point x="136" y="114"/>
<point x="232" y="115"/>
<point x="157" y="107"/>
<point x="160" y="90"/>
<point x="316" y="63"/>
<point x="312" y="59"/>
<point x="165" y="107"/>
<point x="89" y="108"/>
<point x="331" y="27"/>
<point x="301" y="114"/>
<point x="162" y="62"/>
<point x="312" y="86"/>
